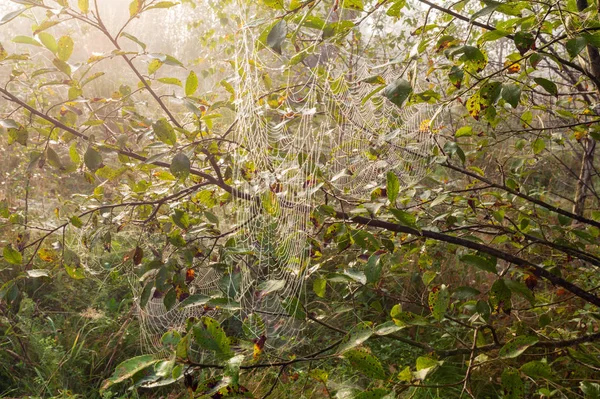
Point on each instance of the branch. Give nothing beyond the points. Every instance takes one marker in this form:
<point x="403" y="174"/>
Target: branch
<point x="523" y="196"/>
<point x="541" y="344"/>
<point x="519" y="262"/>
<point x="563" y="61"/>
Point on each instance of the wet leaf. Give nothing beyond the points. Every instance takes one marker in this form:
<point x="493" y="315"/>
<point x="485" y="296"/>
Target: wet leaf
<point x="128" y="369"/>
<point x="270" y="286"/>
<point x="277" y="36"/>
<point x="398" y="91"/>
<point x="517" y="346"/>
<point x="359" y="334"/>
<point x="366" y="363"/>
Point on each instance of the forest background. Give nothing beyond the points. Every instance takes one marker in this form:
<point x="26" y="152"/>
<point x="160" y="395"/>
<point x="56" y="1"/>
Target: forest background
<point x="125" y="164"/>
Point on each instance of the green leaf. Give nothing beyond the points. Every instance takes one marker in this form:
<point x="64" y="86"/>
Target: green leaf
<point x="387" y="328"/>
<point x="439" y="300"/>
<point x="74" y="272"/>
<point x="170" y="81"/>
<point x="181" y="219"/>
<point x="11" y="255"/>
<point x="548" y="85"/>
<point x="425" y="365"/>
<point x="465" y="292"/>
<point x="538" y="145"/>
<point x="511" y="93"/>
<point x="134" y="39"/>
<point x="170" y="299"/>
<point x="62" y="66"/>
<point x="135" y="7"/>
<point x="524" y="41"/>
<point x="357" y="5"/>
<point x="154" y="66"/>
<point x="164" y="131"/>
<point x="403" y="319"/>
<point x="396" y="8"/>
<point x="472" y="57"/>
<point x="84" y="5"/>
<point x="275" y="4"/>
<point x="452" y="147"/>
<point x="65" y="48"/>
<point x="521" y="289"/>
<point x="356" y="275"/>
<point x="293" y="307"/>
<point x="26" y="40"/>
<point x="492" y="35"/>
<point x="575" y="46"/>
<point x="398" y="91"/>
<point x="319" y="287"/>
<point x="366" y="363"/>
<point x="191" y="84"/>
<point x="53" y="158"/>
<point x="378" y="393"/>
<point x="479" y="262"/>
<point x="537" y="369"/>
<point x="11" y="15"/>
<point x="359" y="334"/>
<point x="180" y="166"/>
<point x="277" y="35"/>
<point x="464" y="131"/>
<point x="76" y="221"/>
<point x="210" y="336"/>
<point x="517" y="346"/>
<point x="455" y="76"/>
<point x="392" y="186"/>
<point x="270" y="286"/>
<point x="485" y="10"/>
<point x="162" y="4"/>
<point x="512" y="384"/>
<point x="92" y="159"/>
<point x="500" y="297"/>
<point x="145" y="296"/>
<point x="405" y="218"/>
<point x="171" y="339"/>
<point x="183" y="348"/>
<point x="18" y="135"/>
<point x="373" y="269"/>
<point x="590" y="389"/>
<point x="128" y="369"/>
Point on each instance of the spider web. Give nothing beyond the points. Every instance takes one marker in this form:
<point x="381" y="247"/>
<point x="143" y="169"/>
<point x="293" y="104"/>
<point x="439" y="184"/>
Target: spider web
<point x="329" y="123"/>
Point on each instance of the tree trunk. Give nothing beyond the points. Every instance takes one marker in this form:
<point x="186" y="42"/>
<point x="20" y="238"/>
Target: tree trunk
<point x="589" y="144"/>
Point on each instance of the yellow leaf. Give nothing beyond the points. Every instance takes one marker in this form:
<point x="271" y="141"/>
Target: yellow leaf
<point x="47" y="255"/>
